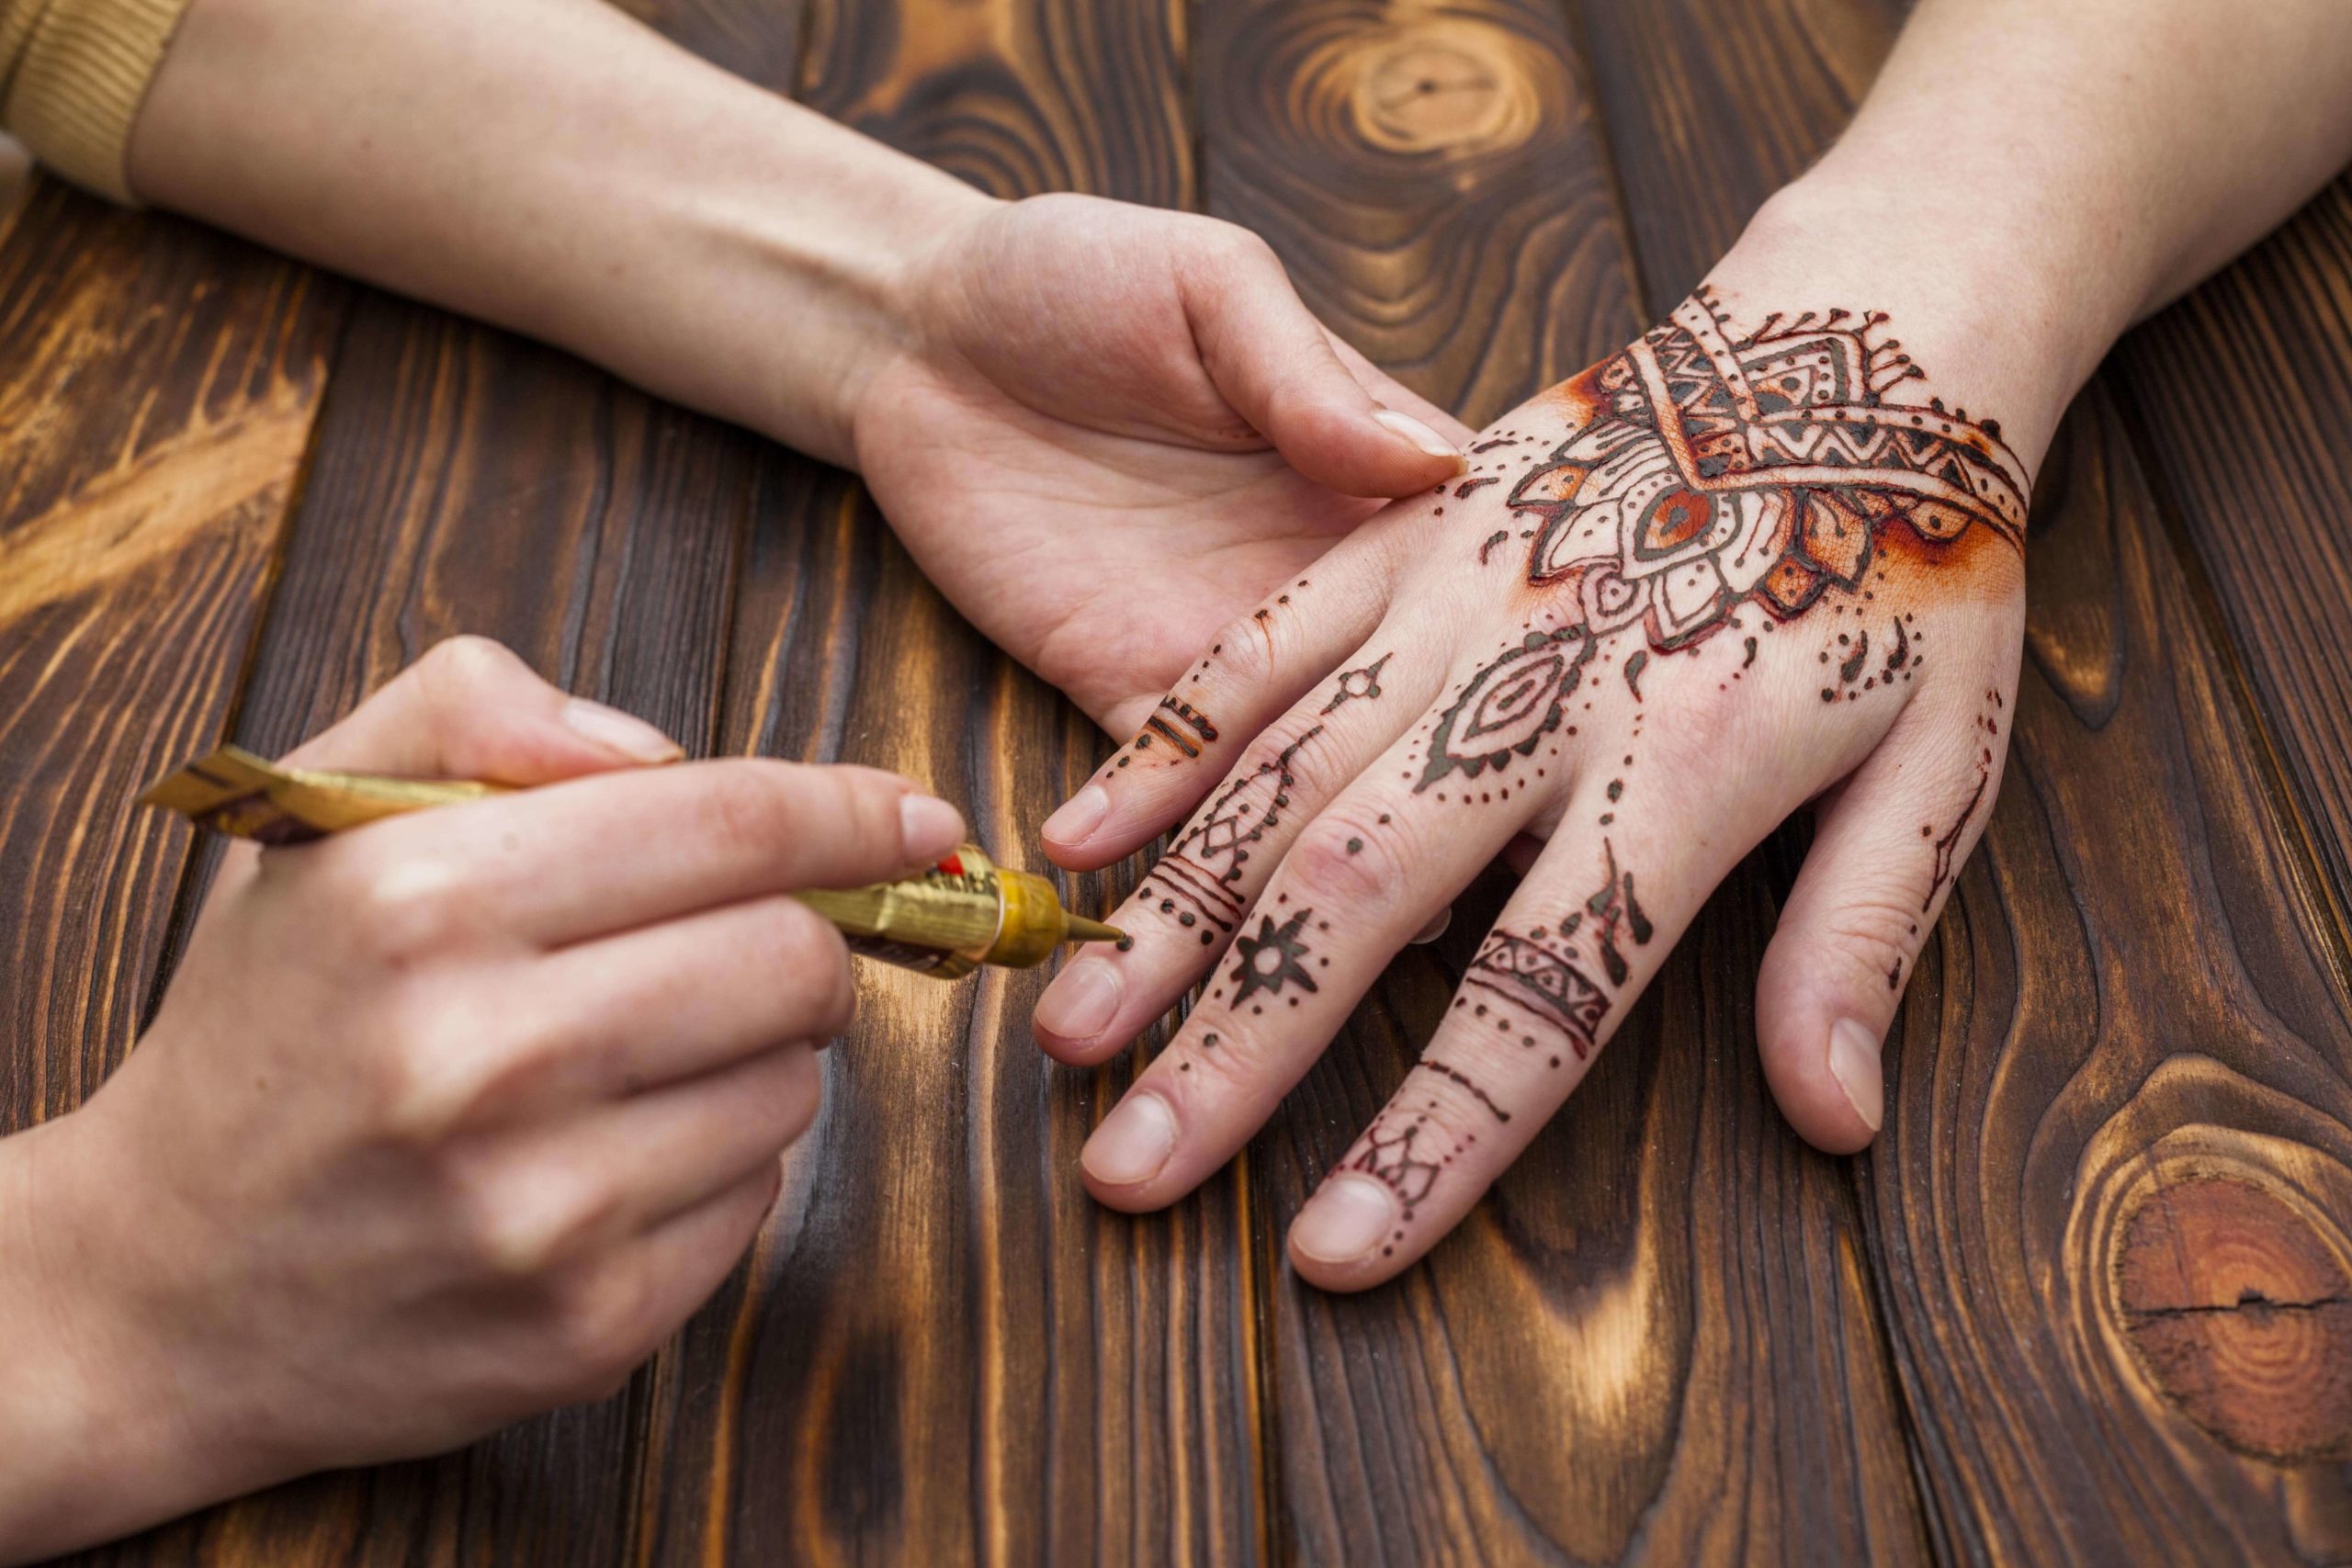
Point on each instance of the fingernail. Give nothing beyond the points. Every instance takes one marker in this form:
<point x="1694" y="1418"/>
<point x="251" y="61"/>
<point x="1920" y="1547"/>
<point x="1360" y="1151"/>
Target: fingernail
<point x="1419" y="434"/>
<point x="1132" y="1144"/>
<point x="1345" y="1220"/>
<point x="1854" y="1063"/>
<point x="1436" y="928"/>
<point x="1080" y="815"/>
<point x="1081" y="1002"/>
<point x="617" y="731"/>
<point x="928" y="828"/>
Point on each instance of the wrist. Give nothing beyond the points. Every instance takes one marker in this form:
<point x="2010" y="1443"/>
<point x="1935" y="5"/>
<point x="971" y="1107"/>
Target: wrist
<point x="83" y="1456"/>
<point x="824" y="290"/>
<point x="1999" y="322"/>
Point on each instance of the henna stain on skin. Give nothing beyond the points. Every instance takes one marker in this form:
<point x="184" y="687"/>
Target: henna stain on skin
<point x="1948" y="845"/>
<point x="1197" y="732"/>
<point x="1361" y="683"/>
<point x="1634" y="664"/>
<point x="1500" y="535"/>
<point x="1269" y="961"/>
<point x="1203" y="871"/>
<point x="1717" y="471"/>
<point x="1469" y="1083"/>
<point x="1466" y="486"/>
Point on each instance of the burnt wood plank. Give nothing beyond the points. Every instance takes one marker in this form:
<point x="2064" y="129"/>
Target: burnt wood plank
<point x="2242" y="395"/>
<point x="1657" y="1336"/>
<point x="944" y="1351"/>
<point x="2105" y="1222"/>
<point x="159" y="386"/>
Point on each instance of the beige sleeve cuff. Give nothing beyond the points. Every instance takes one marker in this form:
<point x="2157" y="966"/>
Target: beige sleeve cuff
<point x="72" y="75"/>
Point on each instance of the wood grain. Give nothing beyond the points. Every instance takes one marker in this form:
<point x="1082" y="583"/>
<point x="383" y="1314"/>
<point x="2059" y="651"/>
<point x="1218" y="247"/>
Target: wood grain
<point x="1657" y="1336"/>
<point x="2243" y="399"/>
<point x="2116" y="1034"/>
<point x="943" y="1351"/>
<point x="137" y="535"/>
<point x="1431" y="178"/>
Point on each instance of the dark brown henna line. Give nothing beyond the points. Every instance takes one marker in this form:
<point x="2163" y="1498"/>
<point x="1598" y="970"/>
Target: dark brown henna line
<point x="1361" y="683"/>
<point x="1635" y="664"/>
<point x="1507" y="708"/>
<point x="1497" y="441"/>
<point x="1951" y="840"/>
<point x="1466" y="486"/>
<point x="1389" y="1160"/>
<point x="1544" y="983"/>
<point x="1467" y="1082"/>
<point x="1498" y="537"/>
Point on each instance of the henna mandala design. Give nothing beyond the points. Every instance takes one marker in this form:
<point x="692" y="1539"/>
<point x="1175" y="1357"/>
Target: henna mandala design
<point x="1269" y="961"/>
<point x="1720" y="470"/>
<point x="1361" y="683"/>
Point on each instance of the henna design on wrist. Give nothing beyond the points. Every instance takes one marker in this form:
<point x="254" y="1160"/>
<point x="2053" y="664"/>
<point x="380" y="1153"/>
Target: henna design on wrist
<point x="1716" y="470"/>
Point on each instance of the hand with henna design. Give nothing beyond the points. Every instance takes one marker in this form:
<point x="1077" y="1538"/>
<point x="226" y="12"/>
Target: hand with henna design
<point x="1768" y="555"/>
<point x="1753" y="558"/>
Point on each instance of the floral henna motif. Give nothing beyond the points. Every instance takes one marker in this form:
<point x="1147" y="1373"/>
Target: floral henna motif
<point x="1717" y="471"/>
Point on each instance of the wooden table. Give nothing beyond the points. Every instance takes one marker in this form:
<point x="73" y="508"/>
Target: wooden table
<point x="2090" y="1296"/>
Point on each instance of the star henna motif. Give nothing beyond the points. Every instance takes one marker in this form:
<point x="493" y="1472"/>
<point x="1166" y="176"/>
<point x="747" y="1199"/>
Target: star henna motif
<point x="1269" y="961"/>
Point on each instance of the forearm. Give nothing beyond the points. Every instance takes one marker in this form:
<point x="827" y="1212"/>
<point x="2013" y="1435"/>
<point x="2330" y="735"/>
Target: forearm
<point x="2026" y="179"/>
<point x="82" y="1458"/>
<point x="558" y="168"/>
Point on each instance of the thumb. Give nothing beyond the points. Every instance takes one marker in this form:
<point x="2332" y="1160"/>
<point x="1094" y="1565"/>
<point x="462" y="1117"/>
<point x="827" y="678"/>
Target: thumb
<point x="1271" y="359"/>
<point x="1887" y="846"/>
<point x="470" y="709"/>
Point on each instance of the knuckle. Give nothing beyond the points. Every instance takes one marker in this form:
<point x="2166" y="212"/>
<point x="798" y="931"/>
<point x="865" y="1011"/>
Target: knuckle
<point x="744" y="802"/>
<point x="600" y="1329"/>
<point x="428" y="1073"/>
<point x="800" y="943"/>
<point x="464" y="659"/>
<point x="398" y="911"/>
<point x="1870" y="930"/>
<point x="1242" y="650"/>
<point x="1347" y="855"/>
<point x="522" y="1227"/>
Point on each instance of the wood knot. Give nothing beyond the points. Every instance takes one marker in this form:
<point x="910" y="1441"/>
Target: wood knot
<point x="1442" y="85"/>
<point x="2240" y="1311"/>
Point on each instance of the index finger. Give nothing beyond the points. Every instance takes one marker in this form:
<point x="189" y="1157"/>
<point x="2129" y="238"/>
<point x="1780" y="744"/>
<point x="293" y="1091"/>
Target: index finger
<point x="619" y="850"/>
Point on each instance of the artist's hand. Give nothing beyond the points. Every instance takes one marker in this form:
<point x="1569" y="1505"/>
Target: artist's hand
<point x="1745" y="564"/>
<point x="1113" y="429"/>
<point x="444" y="1120"/>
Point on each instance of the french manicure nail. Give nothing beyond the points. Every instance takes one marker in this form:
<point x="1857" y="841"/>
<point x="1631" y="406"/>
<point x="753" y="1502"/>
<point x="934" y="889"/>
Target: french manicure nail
<point x="1345" y="1220"/>
<point x="1080" y="815"/>
<point x="1419" y="434"/>
<point x="1133" y="1143"/>
<point x="928" y="828"/>
<point x="1081" y="1001"/>
<point x="620" y="732"/>
<point x="1854" y="1063"/>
